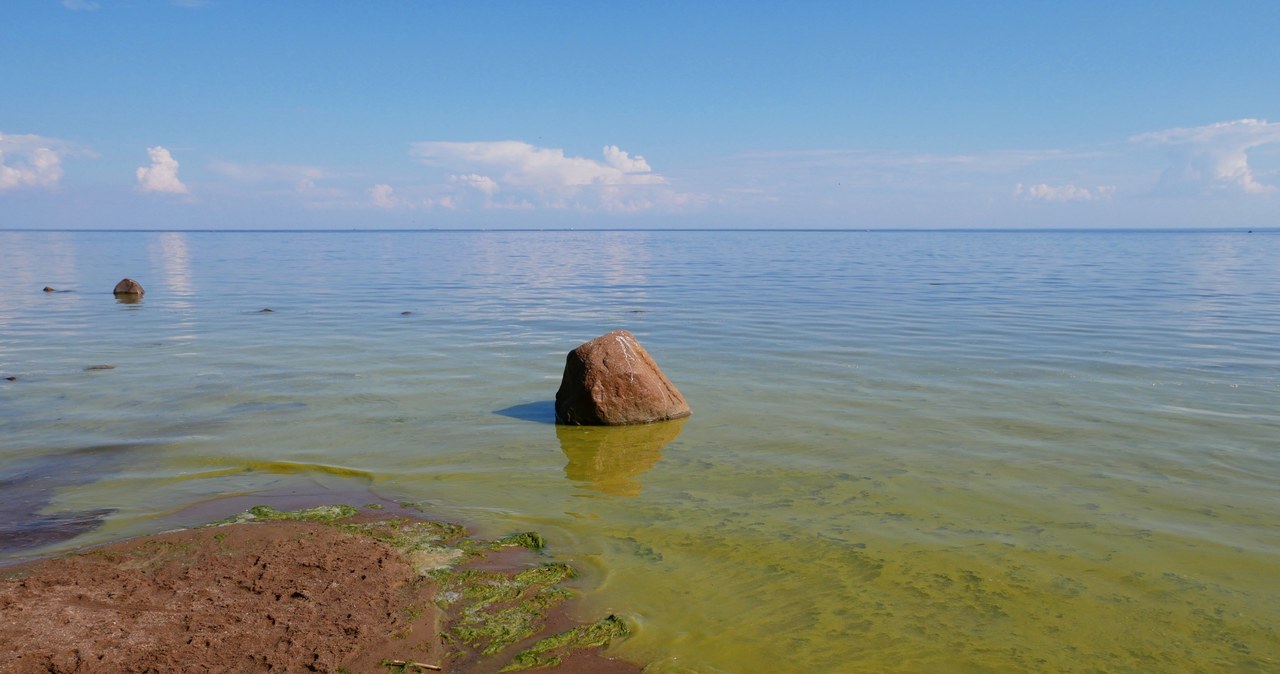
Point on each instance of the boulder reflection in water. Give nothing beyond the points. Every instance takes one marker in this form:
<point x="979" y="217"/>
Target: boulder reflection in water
<point x="608" y="458"/>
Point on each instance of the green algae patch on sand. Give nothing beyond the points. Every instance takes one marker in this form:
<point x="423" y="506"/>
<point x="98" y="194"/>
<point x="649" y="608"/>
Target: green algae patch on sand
<point x="324" y="514"/>
<point x="529" y="540"/>
<point x="485" y="611"/>
<point x="409" y="535"/>
<point x="550" y="651"/>
<point x="496" y="610"/>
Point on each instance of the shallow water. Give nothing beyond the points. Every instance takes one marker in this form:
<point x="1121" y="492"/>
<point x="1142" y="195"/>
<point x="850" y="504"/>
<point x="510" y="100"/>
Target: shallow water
<point x="910" y="451"/>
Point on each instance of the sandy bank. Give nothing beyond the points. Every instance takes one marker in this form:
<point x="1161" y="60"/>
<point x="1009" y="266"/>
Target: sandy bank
<point x="324" y="592"/>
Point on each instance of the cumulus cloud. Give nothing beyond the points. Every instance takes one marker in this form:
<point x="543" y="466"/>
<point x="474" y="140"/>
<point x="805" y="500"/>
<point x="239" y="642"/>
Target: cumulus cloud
<point x="386" y="197"/>
<point x="624" y="162"/>
<point x="484" y="184"/>
<point x="1213" y="158"/>
<point x="162" y="175"/>
<point x="515" y="174"/>
<point x="539" y="167"/>
<point x="382" y="195"/>
<point x="80" y="5"/>
<point x="30" y="161"/>
<point x="1062" y="193"/>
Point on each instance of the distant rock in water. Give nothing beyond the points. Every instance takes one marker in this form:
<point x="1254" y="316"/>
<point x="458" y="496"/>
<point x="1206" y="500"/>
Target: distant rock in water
<point x="94" y="368"/>
<point x="266" y="310"/>
<point x="129" y="287"/>
<point x="612" y="381"/>
<point x="406" y="313"/>
<point x="50" y="289"/>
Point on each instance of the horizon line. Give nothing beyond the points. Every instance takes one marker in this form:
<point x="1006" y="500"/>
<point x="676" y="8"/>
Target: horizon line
<point x="1249" y="230"/>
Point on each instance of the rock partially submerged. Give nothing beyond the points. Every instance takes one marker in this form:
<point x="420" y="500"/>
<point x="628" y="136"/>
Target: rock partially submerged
<point x="612" y="381"/>
<point x="128" y="287"/>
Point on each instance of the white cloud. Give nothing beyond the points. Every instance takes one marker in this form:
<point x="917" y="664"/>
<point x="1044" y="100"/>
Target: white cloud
<point x="314" y="193"/>
<point x="538" y="167"/>
<point x="162" y="175"/>
<point x="1212" y="158"/>
<point x="484" y="184"/>
<point x="380" y="195"/>
<point x="623" y="162"/>
<point x="78" y="5"/>
<point x="28" y="160"/>
<point x="516" y="175"/>
<point x="1062" y="193"/>
<point x="386" y="197"/>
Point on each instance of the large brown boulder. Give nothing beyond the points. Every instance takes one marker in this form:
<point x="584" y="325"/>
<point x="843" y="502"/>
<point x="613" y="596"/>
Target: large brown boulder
<point x="612" y="381"/>
<point x="128" y="287"/>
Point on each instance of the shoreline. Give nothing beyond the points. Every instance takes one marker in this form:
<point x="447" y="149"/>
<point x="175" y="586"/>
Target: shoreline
<point x="329" y="589"/>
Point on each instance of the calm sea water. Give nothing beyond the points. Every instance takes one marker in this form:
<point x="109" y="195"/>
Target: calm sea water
<point x="910" y="451"/>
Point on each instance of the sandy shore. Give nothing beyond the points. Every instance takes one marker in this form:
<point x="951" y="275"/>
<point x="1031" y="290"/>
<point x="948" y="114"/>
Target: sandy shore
<point x="321" y="590"/>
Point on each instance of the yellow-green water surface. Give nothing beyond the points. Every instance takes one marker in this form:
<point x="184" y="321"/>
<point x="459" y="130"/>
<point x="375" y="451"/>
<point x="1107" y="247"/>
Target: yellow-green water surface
<point x="910" y="451"/>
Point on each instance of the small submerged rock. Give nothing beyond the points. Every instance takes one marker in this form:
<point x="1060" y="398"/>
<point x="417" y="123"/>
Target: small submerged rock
<point x="406" y="313"/>
<point x="612" y="381"/>
<point x="266" y="310"/>
<point x="95" y="368"/>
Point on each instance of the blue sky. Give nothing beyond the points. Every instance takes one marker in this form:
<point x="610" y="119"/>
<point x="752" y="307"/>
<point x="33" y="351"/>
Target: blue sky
<point x="248" y="114"/>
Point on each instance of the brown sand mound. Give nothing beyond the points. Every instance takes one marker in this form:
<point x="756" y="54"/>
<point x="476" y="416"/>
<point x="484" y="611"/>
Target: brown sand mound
<point x="289" y="596"/>
<point x="286" y="596"/>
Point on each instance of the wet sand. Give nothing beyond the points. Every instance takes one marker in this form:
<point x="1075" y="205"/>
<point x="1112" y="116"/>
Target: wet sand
<point x="253" y="597"/>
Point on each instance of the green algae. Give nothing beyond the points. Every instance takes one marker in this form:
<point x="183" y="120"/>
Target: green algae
<point x="325" y="514"/>
<point x="550" y="651"/>
<point x="489" y="610"/>
<point x="496" y="610"/>
<point x="408" y="534"/>
<point x="528" y="539"/>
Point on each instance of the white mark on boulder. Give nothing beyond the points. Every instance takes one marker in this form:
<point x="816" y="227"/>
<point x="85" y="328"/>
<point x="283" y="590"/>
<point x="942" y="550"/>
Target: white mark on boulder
<point x="629" y="354"/>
